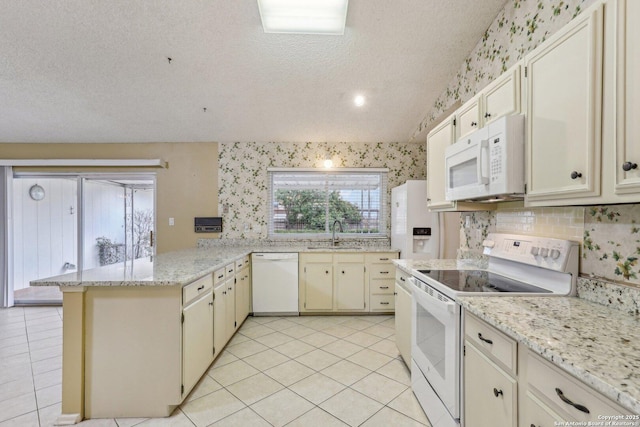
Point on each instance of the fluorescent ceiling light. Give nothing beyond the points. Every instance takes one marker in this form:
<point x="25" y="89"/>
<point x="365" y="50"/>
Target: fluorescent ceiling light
<point x="303" y="16"/>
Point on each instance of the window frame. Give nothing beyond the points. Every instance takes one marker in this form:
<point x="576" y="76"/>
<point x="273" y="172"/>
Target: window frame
<point x="382" y="212"/>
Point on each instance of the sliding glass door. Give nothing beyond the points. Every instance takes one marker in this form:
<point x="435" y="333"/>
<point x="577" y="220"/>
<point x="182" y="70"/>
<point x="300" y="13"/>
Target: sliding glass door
<point x="51" y="236"/>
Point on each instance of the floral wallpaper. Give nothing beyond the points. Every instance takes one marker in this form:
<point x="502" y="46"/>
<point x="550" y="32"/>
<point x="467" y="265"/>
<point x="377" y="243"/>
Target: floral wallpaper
<point x="519" y="28"/>
<point x="243" y="166"/>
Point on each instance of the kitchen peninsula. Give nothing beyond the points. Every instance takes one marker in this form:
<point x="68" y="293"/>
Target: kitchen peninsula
<point x="138" y="335"/>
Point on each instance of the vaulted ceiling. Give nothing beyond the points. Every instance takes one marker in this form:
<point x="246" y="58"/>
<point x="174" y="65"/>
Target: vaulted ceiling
<point x="99" y="71"/>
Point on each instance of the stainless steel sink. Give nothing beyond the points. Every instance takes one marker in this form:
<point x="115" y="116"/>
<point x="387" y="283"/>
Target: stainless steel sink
<point x="342" y="248"/>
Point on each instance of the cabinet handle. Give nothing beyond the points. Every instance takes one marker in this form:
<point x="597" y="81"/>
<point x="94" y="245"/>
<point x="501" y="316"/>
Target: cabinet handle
<point x="533" y="425"/>
<point x="224" y="292"/>
<point x="627" y="166"/>
<point x="229" y="288"/>
<point x="474" y="124"/>
<point x="384" y="287"/>
<point x="221" y="276"/>
<point x="402" y="279"/>
<point x="569" y="402"/>
<point x="384" y="259"/>
<point x="326" y="272"/>
<point x="576" y="175"/>
<point x="384" y="303"/>
<point x="497" y="392"/>
<point x="384" y="272"/>
<point x="342" y="271"/>
<point x="487" y="115"/>
<point x="200" y="288"/>
<point x="211" y="303"/>
<point x="395" y="293"/>
<point x="484" y="339"/>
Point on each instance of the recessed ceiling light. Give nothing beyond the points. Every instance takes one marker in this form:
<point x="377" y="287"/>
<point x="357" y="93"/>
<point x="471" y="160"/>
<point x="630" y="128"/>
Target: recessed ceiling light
<point x="303" y="16"/>
<point x="359" y="100"/>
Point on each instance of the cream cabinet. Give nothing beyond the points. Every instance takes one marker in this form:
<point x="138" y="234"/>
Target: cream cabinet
<point x="490" y="377"/>
<point x="347" y="282"/>
<point x="351" y="292"/>
<point x="437" y="141"/>
<point x="552" y="395"/>
<point x="490" y="394"/>
<point x="197" y="331"/>
<point x="224" y="307"/>
<point x="316" y="282"/>
<point x="564" y="104"/>
<point x="403" y="308"/>
<point x="243" y="290"/>
<point x="468" y="117"/>
<point x="380" y="272"/>
<point x="499" y="98"/>
<point x="627" y="138"/>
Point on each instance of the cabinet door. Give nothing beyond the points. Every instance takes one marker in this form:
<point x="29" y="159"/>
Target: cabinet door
<point x="318" y="279"/>
<point x="537" y="414"/>
<point x="564" y="90"/>
<point x="197" y="339"/>
<point x="219" y="318"/>
<point x="490" y="395"/>
<point x="628" y="98"/>
<point x="437" y="141"/>
<point x="350" y="286"/>
<point x="230" y="308"/>
<point x="242" y="296"/>
<point x="468" y="118"/>
<point x="403" y="323"/>
<point x="502" y="96"/>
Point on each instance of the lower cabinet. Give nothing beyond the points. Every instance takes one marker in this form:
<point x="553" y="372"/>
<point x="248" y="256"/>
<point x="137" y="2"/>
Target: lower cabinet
<point x="243" y="290"/>
<point x="506" y="384"/>
<point x="353" y="282"/>
<point x="197" y="338"/>
<point x="490" y="394"/>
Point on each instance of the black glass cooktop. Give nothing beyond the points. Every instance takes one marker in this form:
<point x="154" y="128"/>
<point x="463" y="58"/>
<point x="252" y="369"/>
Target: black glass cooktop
<point x="480" y="281"/>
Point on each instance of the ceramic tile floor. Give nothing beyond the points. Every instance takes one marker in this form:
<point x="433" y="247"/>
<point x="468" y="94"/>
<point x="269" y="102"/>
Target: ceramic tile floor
<point x="276" y="371"/>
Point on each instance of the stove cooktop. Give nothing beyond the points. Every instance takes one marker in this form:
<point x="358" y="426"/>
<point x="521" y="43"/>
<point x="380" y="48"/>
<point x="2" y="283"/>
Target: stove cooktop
<point x="480" y="281"/>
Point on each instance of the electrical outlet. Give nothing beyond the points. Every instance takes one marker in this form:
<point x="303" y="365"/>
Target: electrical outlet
<point x="172" y="222"/>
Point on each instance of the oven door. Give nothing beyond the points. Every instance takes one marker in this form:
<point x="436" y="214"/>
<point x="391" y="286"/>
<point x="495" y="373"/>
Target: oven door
<point x="467" y="167"/>
<point x="435" y="343"/>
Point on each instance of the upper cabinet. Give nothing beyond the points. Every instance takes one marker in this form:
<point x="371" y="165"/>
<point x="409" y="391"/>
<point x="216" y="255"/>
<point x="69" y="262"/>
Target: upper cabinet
<point x="627" y="151"/>
<point x="564" y="98"/>
<point x="500" y="98"/>
<point x="437" y="141"/>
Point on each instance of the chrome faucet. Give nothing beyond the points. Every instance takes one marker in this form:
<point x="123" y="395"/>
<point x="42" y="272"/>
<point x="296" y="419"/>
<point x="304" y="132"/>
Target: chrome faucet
<point x="334" y="240"/>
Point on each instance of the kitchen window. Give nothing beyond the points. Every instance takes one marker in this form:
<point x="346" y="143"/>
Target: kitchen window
<point x="306" y="202"/>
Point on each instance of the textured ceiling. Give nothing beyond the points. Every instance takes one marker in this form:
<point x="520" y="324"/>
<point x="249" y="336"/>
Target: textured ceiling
<point x="97" y="71"/>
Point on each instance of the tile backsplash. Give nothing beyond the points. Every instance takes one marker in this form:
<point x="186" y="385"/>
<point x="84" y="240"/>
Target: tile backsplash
<point x="609" y="235"/>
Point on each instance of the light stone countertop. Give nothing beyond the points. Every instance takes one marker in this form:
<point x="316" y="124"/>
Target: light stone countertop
<point x="597" y="344"/>
<point x="180" y="268"/>
<point x="407" y="265"/>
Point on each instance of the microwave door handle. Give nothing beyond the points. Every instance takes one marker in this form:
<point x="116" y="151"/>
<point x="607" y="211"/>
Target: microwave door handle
<point x="483" y="157"/>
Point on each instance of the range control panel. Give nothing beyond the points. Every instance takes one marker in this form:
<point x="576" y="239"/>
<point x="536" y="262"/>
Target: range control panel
<point x="210" y="224"/>
<point x="532" y="250"/>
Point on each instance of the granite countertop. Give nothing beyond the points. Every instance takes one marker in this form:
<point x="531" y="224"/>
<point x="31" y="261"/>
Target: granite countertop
<point x="597" y="344"/>
<point x="180" y="268"/>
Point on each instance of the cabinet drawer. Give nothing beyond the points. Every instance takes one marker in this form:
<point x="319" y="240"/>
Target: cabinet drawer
<point x="501" y="348"/>
<point x="338" y="258"/>
<point x="552" y="385"/>
<point x="382" y="302"/>
<point x="402" y="278"/>
<point x="382" y="271"/>
<point x="218" y="276"/>
<point x="229" y="270"/>
<point x="382" y="257"/>
<point x="242" y="263"/>
<point x="197" y="288"/>
<point x="381" y="286"/>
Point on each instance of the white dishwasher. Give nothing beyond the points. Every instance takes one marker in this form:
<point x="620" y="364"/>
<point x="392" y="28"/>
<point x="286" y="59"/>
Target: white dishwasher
<point x="274" y="283"/>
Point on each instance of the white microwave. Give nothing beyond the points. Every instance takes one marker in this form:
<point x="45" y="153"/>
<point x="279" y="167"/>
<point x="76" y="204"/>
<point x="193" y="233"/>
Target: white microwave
<point x="487" y="164"/>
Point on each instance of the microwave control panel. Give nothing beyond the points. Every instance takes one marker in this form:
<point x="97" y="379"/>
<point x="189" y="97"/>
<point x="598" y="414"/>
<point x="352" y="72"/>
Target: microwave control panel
<point x="496" y="158"/>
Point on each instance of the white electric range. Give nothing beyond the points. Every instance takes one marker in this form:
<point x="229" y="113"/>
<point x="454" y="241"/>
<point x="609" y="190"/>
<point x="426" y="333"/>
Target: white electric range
<point x="518" y="265"/>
